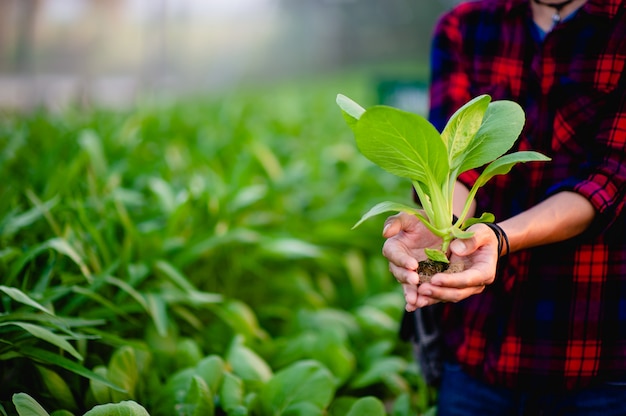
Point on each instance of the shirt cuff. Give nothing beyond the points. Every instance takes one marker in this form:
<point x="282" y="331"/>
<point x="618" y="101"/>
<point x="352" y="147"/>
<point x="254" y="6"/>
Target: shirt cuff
<point x="599" y="197"/>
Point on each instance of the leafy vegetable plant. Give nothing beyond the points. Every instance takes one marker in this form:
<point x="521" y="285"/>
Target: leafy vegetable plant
<point x="407" y="145"/>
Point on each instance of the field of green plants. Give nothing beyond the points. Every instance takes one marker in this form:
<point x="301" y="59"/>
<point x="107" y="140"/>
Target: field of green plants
<point x="197" y="258"/>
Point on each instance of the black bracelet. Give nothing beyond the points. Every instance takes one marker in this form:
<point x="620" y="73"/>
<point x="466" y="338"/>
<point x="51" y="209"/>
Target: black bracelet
<point x="503" y="240"/>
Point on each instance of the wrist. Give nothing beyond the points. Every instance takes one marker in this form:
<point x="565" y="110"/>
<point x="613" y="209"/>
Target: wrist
<point x="504" y="247"/>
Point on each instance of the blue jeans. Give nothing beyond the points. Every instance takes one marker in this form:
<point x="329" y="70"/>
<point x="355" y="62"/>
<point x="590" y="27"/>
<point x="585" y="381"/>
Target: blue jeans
<point x="462" y="395"/>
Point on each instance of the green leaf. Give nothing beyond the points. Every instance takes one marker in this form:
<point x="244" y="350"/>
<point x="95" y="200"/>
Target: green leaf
<point x="61" y="413"/>
<point x="502" y="125"/>
<point x="175" y="390"/>
<point x="387" y="206"/>
<point x="305" y="381"/>
<point x="402" y="143"/>
<point x="462" y="127"/>
<point x="19" y="296"/>
<point x="47" y="357"/>
<point x="46" y="335"/>
<point x="100" y="391"/>
<point x="91" y="143"/>
<point x="377" y="370"/>
<point x="336" y="355"/>
<point x="188" y="353"/>
<point x="248" y="196"/>
<point x="485" y="217"/>
<point x="241" y="318"/>
<point x="63" y="247"/>
<point x="458" y="233"/>
<point x="14" y="223"/>
<point x="27" y="406"/>
<point x="375" y="320"/>
<point x="402" y="404"/>
<point x="157" y="308"/>
<point x="367" y="406"/>
<point x="124" y="408"/>
<point x="396" y="383"/>
<point x="57" y="244"/>
<point x="302" y="409"/>
<point x="174" y="275"/>
<point x="124" y="286"/>
<point x="291" y="248"/>
<point x="212" y="370"/>
<point x="165" y="194"/>
<point x="103" y="300"/>
<point x="189" y="390"/>
<point x="351" y="110"/>
<point x="246" y="363"/>
<point x="327" y="345"/>
<point x="198" y="401"/>
<point x="436" y="255"/>
<point x="504" y="164"/>
<point x="231" y="392"/>
<point x="123" y="370"/>
<point x="57" y="388"/>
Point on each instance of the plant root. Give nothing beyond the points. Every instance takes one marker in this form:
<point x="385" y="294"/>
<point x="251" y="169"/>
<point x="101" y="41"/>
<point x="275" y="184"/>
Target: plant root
<point x="428" y="268"/>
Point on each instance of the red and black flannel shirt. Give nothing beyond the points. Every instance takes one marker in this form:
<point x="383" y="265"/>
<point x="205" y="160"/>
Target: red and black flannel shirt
<point x="556" y="317"/>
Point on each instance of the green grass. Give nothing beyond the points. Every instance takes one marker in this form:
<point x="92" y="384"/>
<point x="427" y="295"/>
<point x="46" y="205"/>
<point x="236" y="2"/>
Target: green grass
<point x="141" y="248"/>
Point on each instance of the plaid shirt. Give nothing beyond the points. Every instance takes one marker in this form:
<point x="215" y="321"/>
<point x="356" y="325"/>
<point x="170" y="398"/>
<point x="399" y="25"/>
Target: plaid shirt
<point x="556" y="317"/>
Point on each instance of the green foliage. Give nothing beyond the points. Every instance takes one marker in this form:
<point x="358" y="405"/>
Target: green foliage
<point x="304" y="384"/>
<point x="196" y="258"/>
<point x="408" y="146"/>
<point x="124" y="408"/>
<point x="26" y="405"/>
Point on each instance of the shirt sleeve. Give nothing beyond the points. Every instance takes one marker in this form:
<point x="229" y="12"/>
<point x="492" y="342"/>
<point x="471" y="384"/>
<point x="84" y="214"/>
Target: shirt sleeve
<point x="605" y="185"/>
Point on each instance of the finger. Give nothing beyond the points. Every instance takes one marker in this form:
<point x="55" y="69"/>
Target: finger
<point x="480" y="274"/>
<point x="404" y="275"/>
<point x="435" y="294"/>
<point x="420" y="302"/>
<point x="410" y="294"/>
<point x="394" y="224"/>
<point x="414" y="300"/>
<point x="399" y="255"/>
<point x="453" y="287"/>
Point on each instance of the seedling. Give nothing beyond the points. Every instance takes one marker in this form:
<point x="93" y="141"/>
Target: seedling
<point x="409" y="146"/>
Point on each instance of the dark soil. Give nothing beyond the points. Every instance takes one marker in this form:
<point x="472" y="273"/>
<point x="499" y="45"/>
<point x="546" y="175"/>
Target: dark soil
<point x="428" y="268"/>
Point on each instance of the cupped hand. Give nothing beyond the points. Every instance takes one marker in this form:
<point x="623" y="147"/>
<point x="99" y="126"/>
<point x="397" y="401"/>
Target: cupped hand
<point x="406" y="238"/>
<point x="479" y="255"/>
<point x="404" y="248"/>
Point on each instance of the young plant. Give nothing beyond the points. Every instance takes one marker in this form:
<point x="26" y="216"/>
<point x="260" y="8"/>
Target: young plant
<point x="409" y="146"/>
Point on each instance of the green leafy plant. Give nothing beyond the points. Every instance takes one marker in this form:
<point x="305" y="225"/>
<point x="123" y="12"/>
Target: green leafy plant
<point x="28" y="406"/>
<point x="409" y="146"/>
<point x="123" y="273"/>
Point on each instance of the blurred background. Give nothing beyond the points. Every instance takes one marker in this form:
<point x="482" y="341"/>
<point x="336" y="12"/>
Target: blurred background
<point x="111" y="52"/>
<point x="178" y="183"/>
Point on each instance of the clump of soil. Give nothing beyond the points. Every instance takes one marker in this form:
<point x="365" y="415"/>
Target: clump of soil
<point x="428" y="268"/>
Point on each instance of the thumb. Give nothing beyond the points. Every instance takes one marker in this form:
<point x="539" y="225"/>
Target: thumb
<point x="393" y="225"/>
<point x="461" y="247"/>
<point x="466" y="246"/>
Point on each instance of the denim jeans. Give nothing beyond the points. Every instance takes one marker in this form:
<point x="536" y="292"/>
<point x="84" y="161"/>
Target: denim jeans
<point x="462" y="395"/>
